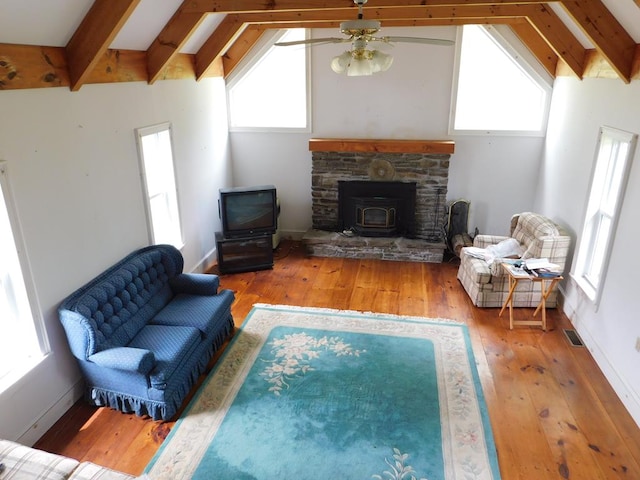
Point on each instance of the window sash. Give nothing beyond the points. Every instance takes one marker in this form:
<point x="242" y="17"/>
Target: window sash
<point x="159" y="184"/>
<point x="614" y="153"/>
<point x="600" y="232"/>
<point x="22" y="337"/>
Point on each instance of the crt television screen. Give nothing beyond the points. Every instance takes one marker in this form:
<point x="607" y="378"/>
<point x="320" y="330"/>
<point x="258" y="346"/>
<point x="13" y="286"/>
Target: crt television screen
<point x="249" y="210"/>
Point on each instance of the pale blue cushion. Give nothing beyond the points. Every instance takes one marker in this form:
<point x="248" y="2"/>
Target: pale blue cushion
<point x="171" y="347"/>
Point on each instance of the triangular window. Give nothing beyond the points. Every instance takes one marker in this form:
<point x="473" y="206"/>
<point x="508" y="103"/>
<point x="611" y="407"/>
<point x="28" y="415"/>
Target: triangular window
<point x="271" y="92"/>
<point x="496" y="90"/>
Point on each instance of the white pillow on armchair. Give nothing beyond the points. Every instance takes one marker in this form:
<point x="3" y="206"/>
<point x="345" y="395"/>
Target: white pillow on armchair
<point x="509" y="248"/>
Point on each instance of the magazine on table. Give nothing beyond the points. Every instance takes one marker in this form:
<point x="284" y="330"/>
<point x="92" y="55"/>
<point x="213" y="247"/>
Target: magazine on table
<point x="534" y="267"/>
<point x="542" y="267"/>
<point x="517" y="271"/>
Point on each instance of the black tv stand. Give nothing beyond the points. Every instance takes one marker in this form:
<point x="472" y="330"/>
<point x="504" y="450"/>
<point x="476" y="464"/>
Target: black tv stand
<point x="244" y="254"/>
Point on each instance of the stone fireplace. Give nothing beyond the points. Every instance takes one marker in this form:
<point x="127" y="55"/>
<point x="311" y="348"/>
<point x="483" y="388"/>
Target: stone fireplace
<point x="377" y="209"/>
<point x="397" y="198"/>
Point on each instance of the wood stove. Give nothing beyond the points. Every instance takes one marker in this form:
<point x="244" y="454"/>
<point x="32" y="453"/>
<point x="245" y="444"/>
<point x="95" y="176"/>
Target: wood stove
<point x="377" y="208"/>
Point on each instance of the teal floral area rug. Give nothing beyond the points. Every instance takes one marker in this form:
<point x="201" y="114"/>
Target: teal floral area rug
<point x="304" y="393"/>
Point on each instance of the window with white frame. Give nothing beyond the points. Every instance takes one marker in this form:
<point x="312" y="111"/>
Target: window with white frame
<point x="496" y="91"/>
<point x="614" y="153"/>
<point x="155" y="150"/>
<point x="272" y="92"/>
<point x="22" y="340"/>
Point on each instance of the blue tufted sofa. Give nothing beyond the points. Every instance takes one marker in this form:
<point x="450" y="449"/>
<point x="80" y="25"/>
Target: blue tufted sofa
<point x="143" y="331"/>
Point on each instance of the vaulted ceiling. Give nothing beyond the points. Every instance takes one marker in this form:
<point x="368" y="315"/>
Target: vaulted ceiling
<point x="568" y="37"/>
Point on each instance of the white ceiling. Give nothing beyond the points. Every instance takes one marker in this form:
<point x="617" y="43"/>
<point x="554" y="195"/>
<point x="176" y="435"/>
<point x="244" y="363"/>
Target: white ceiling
<point x="52" y="22"/>
<point x="628" y="14"/>
<point x="37" y="22"/>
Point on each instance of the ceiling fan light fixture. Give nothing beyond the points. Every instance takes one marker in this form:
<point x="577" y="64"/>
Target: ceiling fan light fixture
<point x="360" y="27"/>
<point x="361" y="62"/>
<point x="381" y="61"/>
<point x="340" y="63"/>
<point x="360" y="67"/>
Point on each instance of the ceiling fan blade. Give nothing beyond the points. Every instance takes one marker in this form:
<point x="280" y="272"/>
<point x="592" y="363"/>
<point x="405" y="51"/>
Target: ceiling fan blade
<point x="313" y="41"/>
<point x="429" y="41"/>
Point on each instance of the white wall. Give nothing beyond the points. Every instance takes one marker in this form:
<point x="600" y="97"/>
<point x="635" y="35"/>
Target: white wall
<point x="73" y="168"/>
<point x="74" y="171"/>
<point x="499" y="175"/>
<point x="579" y="109"/>
<point x="409" y="101"/>
<point x="282" y="160"/>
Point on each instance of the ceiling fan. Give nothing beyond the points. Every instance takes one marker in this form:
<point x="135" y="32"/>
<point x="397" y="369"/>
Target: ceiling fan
<point x="360" y="60"/>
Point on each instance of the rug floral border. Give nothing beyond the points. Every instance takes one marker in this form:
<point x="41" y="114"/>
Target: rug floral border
<point x="467" y="442"/>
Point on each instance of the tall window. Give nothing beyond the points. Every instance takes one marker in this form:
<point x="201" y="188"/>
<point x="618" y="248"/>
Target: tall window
<point x="608" y="181"/>
<point x="271" y="93"/>
<point x="19" y="328"/>
<point x="159" y="183"/>
<point x="496" y="91"/>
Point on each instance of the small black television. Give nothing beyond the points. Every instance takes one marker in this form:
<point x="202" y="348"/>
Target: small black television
<point x="248" y="211"/>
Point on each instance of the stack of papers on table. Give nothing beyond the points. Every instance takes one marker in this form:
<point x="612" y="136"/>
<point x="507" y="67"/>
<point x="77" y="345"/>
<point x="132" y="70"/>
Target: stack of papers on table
<point x="542" y="267"/>
<point x="518" y="271"/>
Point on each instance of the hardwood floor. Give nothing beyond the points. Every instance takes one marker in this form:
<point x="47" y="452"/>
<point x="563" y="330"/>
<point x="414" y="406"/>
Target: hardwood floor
<point x="552" y="412"/>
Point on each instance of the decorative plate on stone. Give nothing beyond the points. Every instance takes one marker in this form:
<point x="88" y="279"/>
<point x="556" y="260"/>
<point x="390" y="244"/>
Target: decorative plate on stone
<point x="381" y="170"/>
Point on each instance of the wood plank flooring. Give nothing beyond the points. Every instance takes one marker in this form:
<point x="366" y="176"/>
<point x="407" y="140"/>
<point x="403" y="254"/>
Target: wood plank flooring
<point x="553" y="414"/>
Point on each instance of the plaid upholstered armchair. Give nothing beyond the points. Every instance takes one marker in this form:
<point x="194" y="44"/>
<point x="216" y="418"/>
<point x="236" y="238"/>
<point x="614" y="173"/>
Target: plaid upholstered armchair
<point x="485" y="281"/>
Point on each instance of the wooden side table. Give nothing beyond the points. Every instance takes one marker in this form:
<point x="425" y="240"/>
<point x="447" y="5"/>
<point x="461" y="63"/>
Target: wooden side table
<point x="546" y="287"/>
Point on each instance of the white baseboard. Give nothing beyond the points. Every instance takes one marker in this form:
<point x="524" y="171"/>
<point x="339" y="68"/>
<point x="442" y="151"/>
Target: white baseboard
<point x="51" y="416"/>
<point x="292" y="234"/>
<point x="205" y="262"/>
<point x="627" y="395"/>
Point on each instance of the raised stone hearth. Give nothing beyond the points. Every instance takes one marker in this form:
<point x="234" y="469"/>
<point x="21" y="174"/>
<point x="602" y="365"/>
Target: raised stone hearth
<point x="425" y="163"/>
<point x="333" y="244"/>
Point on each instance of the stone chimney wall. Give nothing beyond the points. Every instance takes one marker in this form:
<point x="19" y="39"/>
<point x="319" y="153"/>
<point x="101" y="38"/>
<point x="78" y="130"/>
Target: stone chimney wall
<point x="429" y="171"/>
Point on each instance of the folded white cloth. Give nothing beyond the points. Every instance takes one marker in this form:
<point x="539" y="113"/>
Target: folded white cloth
<point x="505" y="249"/>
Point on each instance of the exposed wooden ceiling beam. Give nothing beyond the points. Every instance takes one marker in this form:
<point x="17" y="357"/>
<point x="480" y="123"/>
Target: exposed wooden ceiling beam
<point x="417" y="22"/>
<point x="171" y="39"/>
<point x="596" y="66"/>
<point x="523" y="29"/>
<point x="606" y="33"/>
<point x="131" y="66"/>
<point x="255" y="6"/>
<point x="559" y="37"/>
<point x="391" y="13"/>
<point x="94" y="35"/>
<point x="29" y="66"/>
<point x="593" y="17"/>
<point x="537" y="45"/>
<point x="88" y="58"/>
<point x="243" y="44"/>
<point x="442" y="15"/>
<point x="217" y="44"/>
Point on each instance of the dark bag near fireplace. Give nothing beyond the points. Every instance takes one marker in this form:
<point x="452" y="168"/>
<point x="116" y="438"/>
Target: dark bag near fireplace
<point x="456" y="233"/>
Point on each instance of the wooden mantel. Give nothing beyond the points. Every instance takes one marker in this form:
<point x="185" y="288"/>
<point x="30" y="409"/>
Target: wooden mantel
<point x="383" y="146"/>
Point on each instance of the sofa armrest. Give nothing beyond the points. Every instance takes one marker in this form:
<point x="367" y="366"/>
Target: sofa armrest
<point x="91" y="471"/>
<point x="195" y="283"/>
<point x="24" y="462"/>
<point x="125" y="358"/>
<point x="483" y="241"/>
<point x="496" y="268"/>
